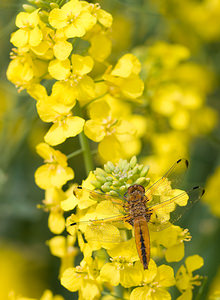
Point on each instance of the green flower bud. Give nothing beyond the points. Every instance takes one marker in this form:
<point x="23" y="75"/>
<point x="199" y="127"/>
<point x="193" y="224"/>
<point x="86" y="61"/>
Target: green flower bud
<point x="113" y="193"/>
<point x="101" y="178"/>
<point x="116" y="183"/>
<point x="97" y="184"/>
<point x="100" y="172"/>
<point x="28" y="8"/>
<point x="105" y="188"/>
<point x="109" y="178"/>
<point x="109" y="167"/>
<point x="133" y="162"/>
<point x="141" y="181"/>
<point x="144" y="171"/>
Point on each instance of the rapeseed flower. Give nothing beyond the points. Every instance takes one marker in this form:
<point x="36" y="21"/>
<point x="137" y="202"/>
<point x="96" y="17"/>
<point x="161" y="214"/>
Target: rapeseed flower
<point x="123" y="80"/>
<point x="29" y="32"/>
<point x="84" y="279"/>
<point x="185" y="281"/>
<point x="55" y="172"/>
<point x="155" y="283"/>
<point x="107" y="130"/>
<point x="73" y="17"/>
<point x="63" y="247"/>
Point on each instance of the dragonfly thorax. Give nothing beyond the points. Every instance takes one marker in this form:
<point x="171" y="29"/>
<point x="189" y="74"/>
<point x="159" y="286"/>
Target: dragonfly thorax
<point x="136" y="202"/>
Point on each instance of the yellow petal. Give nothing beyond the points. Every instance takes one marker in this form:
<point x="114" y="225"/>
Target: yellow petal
<point x="69" y="203"/>
<point x="19" y="38"/>
<point x="81" y="65"/>
<point x="57" y="246"/>
<point x="132" y="87"/>
<point x="44" y="151"/>
<point x="141" y="293"/>
<point x="58" y="69"/>
<point x="35" y="37"/>
<point x="21" y="19"/>
<point x="127" y="65"/>
<point x="165" y="276"/>
<point x="71" y="280"/>
<point x="64" y="94"/>
<point x="86" y="90"/>
<point x="151" y="273"/>
<point x="56" y="222"/>
<point x="100" y="47"/>
<point x="104" y="18"/>
<point x="110" y="149"/>
<point x="106" y="274"/>
<point x="194" y="262"/>
<point x="60" y="131"/>
<point x="94" y="130"/>
<point x="49" y="175"/>
<point x="62" y="50"/>
<point x="175" y="253"/>
<point x="57" y="18"/>
<point x="131" y="275"/>
<point x="126" y="250"/>
<point x="90" y="290"/>
<point x="99" y="110"/>
<point x="161" y="293"/>
<point x="37" y="91"/>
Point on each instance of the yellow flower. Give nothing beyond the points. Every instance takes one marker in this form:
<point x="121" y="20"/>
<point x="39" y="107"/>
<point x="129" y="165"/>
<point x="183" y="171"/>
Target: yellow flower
<point x="185" y="279"/>
<point x="65" y="127"/>
<point x="63" y="247"/>
<point x="155" y="281"/>
<point x="55" y="172"/>
<point x="25" y="70"/>
<point x="212" y="195"/>
<point x="106" y="130"/>
<point x="75" y="76"/>
<point x="123" y="80"/>
<point x="101" y="46"/>
<point x="84" y="279"/>
<point x="29" y="32"/>
<point x="172" y="239"/>
<point x="56" y="108"/>
<point x="73" y="18"/>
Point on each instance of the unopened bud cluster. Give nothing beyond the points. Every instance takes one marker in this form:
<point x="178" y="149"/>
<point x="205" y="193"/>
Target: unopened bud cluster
<point x="116" y="178"/>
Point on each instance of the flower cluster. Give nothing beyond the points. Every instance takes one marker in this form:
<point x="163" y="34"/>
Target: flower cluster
<point x="119" y="264"/>
<point x="62" y="58"/>
<point x="48" y="44"/>
<point x="175" y="93"/>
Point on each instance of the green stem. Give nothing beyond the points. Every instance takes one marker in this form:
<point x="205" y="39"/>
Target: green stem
<point x="84" y="143"/>
<point x="201" y="289"/>
<point x="75" y="153"/>
<point x="99" y="97"/>
<point x="87" y="155"/>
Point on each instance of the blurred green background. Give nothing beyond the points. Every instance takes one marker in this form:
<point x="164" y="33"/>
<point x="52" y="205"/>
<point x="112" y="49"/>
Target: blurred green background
<point x="25" y="261"/>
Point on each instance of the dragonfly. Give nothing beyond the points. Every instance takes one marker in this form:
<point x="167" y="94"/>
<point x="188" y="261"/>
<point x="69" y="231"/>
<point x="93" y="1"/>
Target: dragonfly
<point x="151" y="209"/>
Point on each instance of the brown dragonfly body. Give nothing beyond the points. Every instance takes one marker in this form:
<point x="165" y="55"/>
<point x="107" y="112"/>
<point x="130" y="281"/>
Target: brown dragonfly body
<point x="138" y="216"/>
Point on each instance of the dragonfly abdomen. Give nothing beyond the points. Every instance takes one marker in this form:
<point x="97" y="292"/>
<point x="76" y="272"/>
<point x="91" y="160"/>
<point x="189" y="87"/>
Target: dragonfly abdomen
<point x="142" y="239"/>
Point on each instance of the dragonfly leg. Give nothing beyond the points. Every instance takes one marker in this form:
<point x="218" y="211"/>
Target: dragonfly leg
<point x="148" y="215"/>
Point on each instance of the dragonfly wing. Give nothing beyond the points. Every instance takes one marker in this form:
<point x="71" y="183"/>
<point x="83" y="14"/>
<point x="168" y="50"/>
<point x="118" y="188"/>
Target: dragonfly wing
<point x="171" y="179"/>
<point x="97" y="196"/>
<point x="168" y="212"/>
<point x="104" y="232"/>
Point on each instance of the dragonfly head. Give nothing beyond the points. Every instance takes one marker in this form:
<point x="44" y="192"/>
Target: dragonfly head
<point x="136" y="189"/>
